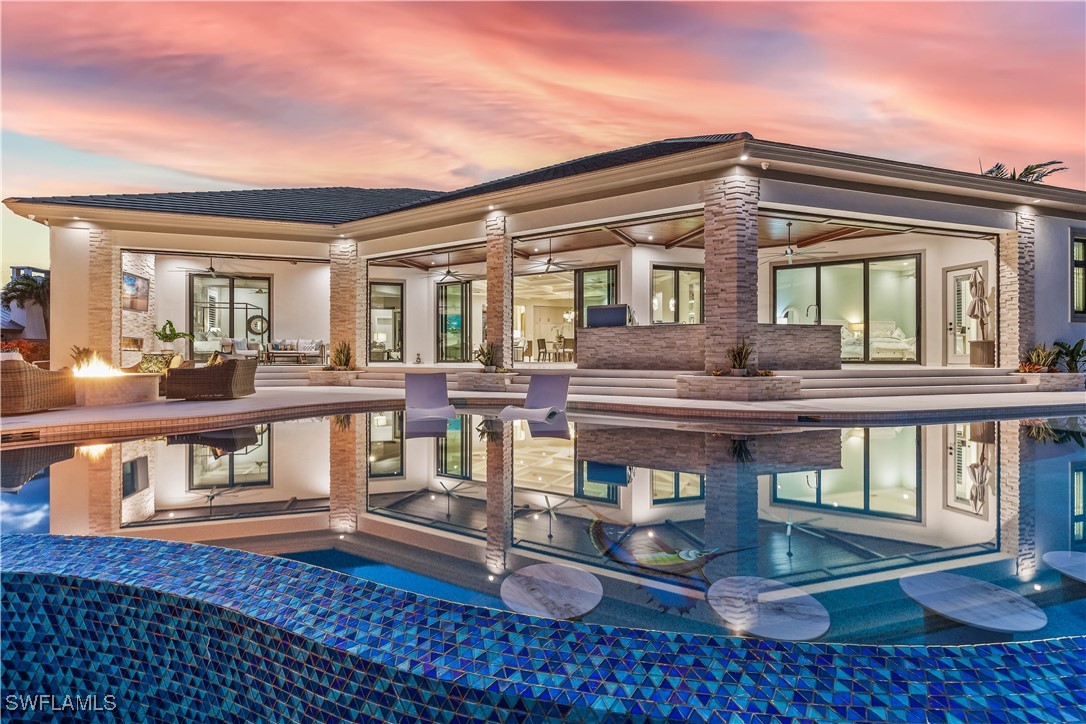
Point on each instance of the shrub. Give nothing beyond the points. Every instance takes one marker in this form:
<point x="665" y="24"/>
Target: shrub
<point x="31" y="351"/>
<point x="341" y="359"/>
<point x="1041" y="355"/>
<point x="739" y="355"/>
<point x="1073" y="356"/>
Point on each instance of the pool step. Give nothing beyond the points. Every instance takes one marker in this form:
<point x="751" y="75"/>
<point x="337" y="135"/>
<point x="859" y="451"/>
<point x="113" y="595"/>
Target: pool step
<point x="895" y="383"/>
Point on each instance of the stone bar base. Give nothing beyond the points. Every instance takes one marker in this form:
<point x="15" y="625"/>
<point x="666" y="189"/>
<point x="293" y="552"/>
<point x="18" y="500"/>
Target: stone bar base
<point x="332" y="378"/>
<point x="707" y="387"/>
<point x="1056" y="381"/>
<point x="120" y="390"/>
<point x="483" y="381"/>
<point x="799" y="346"/>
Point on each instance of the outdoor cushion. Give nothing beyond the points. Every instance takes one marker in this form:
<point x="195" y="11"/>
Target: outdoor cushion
<point x="155" y="363"/>
<point x="241" y="344"/>
<point x="214" y="360"/>
<point x="309" y="345"/>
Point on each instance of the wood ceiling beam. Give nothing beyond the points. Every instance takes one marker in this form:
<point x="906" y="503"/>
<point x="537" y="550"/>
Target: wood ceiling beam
<point x="414" y="264"/>
<point x="828" y="236"/>
<point x="521" y="254"/>
<point x="621" y="236"/>
<point x="687" y="237"/>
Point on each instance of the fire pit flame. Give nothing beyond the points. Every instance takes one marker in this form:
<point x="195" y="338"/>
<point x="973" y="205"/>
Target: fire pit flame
<point x="95" y="366"/>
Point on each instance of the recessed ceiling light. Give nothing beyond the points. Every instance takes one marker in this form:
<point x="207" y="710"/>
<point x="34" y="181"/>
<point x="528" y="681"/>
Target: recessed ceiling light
<point x="491" y="207"/>
<point x="1036" y="201"/>
<point x="76" y="218"/>
<point x="650" y="237"/>
<point x="744" y="157"/>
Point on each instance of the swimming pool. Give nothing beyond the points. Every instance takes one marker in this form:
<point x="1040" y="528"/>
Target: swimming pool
<point x="657" y="512"/>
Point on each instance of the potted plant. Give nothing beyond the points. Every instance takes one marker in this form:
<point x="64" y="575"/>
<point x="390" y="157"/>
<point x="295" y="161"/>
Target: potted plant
<point x="340" y="370"/>
<point x="738" y="357"/>
<point x="484" y="355"/>
<point x="1040" y="358"/>
<point x="1073" y="356"/>
<point x="167" y="334"/>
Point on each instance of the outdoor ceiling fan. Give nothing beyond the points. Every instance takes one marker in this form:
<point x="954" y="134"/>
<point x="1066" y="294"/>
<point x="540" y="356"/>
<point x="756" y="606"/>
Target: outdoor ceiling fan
<point x="790" y="254"/>
<point x="551" y="264"/>
<point x="449" y="273"/>
<point x="209" y="269"/>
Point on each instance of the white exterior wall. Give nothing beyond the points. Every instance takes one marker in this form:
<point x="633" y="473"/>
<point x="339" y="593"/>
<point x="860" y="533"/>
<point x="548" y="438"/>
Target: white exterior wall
<point x="69" y="316"/>
<point x="1052" y="290"/>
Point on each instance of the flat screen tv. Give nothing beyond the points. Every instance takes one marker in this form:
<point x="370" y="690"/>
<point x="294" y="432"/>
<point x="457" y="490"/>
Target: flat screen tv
<point x="608" y="315"/>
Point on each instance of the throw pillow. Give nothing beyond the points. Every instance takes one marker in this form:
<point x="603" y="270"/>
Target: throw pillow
<point x="308" y="345"/>
<point x="241" y="344"/>
<point x="898" y="333"/>
<point x="215" y="360"/>
<point x="154" y="363"/>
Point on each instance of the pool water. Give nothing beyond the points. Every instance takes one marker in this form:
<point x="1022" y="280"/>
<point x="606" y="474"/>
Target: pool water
<point x="656" y="511"/>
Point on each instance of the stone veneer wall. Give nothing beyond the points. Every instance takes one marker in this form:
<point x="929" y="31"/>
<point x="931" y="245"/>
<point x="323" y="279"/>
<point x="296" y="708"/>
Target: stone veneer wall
<point x="731" y="266"/>
<point x="348" y="476"/>
<point x="138" y="506"/>
<point x="104" y="303"/>
<point x="1017" y="496"/>
<point x="685" y="450"/>
<point x="141" y="620"/>
<point x="708" y="387"/>
<point x="142" y="324"/>
<point x="499" y="291"/>
<point x="499" y="494"/>
<point x="1014" y="308"/>
<point x="799" y="347"/>
<point x="349" y="299"/>
<point x="649" y="347"/>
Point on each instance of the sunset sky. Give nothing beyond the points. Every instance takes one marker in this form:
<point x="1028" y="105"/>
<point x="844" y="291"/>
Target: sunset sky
<point x="131" y="97"/>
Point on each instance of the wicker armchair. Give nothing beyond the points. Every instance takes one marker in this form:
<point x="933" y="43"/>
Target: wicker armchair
<point x="26" y="388"/>
<point x="158" y="364"/>
<point x="232" y="379"/>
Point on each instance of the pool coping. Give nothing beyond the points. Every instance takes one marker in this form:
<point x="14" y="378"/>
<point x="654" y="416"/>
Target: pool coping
<point x="593" y="669"/>
<point x="275" y="404"/>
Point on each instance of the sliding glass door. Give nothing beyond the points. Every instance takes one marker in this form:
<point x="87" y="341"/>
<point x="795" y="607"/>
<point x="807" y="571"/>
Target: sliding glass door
<point x="386" y="321"/>
<point x="876" y="302"/>
<point x="228" y="307"/>
<point x="677" y="295"/>
<point x="453" y="322"/>
<point x="592" y="288"/>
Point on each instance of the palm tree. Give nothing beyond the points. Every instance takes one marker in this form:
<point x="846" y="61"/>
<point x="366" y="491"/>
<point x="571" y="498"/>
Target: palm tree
<point x="26" y="289"/>
<point x="1034" y="173"/>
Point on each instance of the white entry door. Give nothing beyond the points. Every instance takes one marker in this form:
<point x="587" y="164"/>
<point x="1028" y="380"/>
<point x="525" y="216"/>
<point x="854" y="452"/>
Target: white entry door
<point x="959" y="328"/>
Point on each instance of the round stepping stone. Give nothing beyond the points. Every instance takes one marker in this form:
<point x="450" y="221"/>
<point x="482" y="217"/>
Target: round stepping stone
<point x="974" y="602"/>
<point x="552" y="590"/>
<point x="767" y="608"/>
<point x="1070" y="563"/>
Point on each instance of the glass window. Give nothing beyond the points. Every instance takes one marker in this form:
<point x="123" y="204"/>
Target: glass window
<point x="594" y="287"/>
<point x="225" y="307"/>
<point x="796" y="293"/>
<point x="1078" y="506"/>
<point x="454" y="450"/>
<point x="842" y="304"/>
<point x="892" y="310"/>
<point x="879" y="475"/>
<point x="1078" y="278"/>
<point x="211" y="466"/>
<point x="586" y="489"/>
<point x="674" y="487"/>
<point x="386" y="444"/>
<point x="677" y="295"/>
<point x="452" y="332"/>
<point x="386" y="321"/>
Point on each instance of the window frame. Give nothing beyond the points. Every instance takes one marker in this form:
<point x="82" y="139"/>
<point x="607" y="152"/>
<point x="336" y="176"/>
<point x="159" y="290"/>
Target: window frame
<point x="402" y="284"/>
<point x="1078" y="236"/>
<point x="675" y="270"/>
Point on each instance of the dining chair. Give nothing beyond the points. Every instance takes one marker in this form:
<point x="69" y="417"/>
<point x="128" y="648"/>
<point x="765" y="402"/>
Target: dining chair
<point x="544" y="354"/>
<point x="527" y="352"/>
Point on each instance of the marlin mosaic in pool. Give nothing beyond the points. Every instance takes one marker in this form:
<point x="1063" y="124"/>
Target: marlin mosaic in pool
<point x="801" y="533"/>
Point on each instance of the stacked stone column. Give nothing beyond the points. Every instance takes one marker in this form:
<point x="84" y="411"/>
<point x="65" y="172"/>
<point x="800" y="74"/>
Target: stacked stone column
<point x="1016" y="291"/>
<point x="499" y="291"/>
<point x="104" y="491"/>
<point x="731" y="267"/>
<point x="104" y="303"/>
<point x="1017" y="497"/>
<point x="348" y="474"/>
<point x="731" y="507"/>
<point x="499" y="494"/>
<point x="349" y="299"/>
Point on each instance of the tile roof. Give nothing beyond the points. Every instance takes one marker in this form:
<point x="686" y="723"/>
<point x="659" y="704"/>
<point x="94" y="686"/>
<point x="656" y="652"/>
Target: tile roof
<point x="332" y="205"/>
<point x="340" y="204"/>
<point x="7" y="323"/>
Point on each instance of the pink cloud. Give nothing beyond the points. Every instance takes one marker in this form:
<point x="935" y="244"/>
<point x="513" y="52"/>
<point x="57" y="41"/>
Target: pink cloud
<point x="443" y="95"/>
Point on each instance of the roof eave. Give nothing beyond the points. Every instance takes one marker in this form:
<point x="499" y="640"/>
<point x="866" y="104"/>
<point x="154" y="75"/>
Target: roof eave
<point x="813" y="161"/>
<point x="69" y="215"/>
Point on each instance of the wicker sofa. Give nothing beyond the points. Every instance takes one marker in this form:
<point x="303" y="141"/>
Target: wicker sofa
<point x="227" y="381"/>
<point x="26" y="388"/>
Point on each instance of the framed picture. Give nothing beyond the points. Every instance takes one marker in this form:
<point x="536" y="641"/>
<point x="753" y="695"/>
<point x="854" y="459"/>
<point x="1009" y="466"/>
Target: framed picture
<point x="135" y="292"/>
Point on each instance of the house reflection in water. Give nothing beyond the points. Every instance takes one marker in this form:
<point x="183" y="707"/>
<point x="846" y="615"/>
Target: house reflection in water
<point x="647" y="505"/>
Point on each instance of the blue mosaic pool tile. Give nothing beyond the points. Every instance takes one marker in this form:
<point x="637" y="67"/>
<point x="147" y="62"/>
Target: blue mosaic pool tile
<point x="206" y="634"/>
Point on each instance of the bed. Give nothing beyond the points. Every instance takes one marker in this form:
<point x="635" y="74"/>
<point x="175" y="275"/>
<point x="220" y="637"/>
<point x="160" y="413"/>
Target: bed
<point x="887" y="342"/>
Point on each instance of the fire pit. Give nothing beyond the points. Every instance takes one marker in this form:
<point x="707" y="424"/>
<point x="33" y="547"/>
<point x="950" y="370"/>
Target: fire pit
<point x="99" y="383"/>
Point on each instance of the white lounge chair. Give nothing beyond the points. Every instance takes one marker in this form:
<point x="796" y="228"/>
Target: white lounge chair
<point x="558" y="427"/>
<point x="426" y="397"/>
<point x="546" y="398"/>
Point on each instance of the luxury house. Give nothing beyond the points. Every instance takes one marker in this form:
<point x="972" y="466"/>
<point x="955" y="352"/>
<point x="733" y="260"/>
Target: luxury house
<point x="814" y="257"/>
